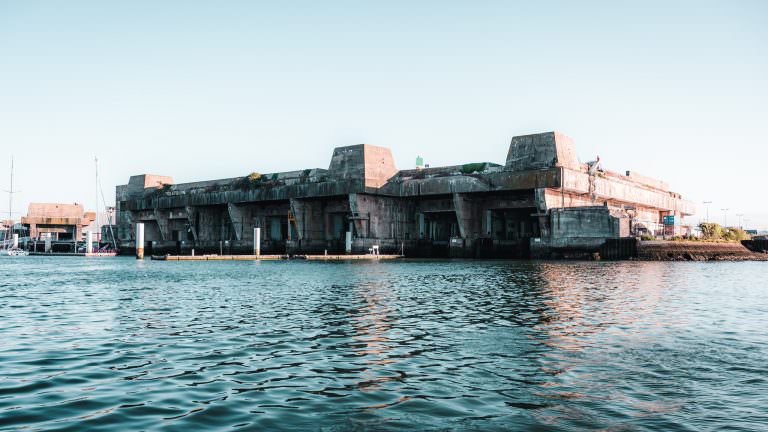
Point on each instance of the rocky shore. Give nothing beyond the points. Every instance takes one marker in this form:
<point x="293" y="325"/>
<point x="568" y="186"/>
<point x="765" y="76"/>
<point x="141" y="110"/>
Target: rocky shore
<point x="696" y="251"/>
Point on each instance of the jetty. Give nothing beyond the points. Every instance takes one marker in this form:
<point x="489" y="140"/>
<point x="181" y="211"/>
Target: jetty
<point x="368" y="257"/>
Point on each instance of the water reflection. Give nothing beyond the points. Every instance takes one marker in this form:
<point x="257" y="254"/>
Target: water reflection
<point x="381" y="346"/>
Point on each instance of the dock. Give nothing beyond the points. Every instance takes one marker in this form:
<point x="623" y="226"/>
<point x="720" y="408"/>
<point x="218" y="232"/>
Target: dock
<point x="75" y="254"/>
<point x="368" y="257"/>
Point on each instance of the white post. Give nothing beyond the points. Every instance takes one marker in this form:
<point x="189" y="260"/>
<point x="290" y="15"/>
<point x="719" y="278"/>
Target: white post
<point x="47" y="242"/>
<point x="15" y="241"/>
<point x="257" y="241"/>
<point x="89" y="242"/>
<point x="139" y="241"/>
<point x="348" y="243"/>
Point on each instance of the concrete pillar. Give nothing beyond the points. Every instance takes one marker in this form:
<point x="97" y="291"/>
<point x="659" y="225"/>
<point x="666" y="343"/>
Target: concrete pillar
<point x="348" y="242"/>
<point x="257" y="241"/>
<point x="89" y="242"/>
<point x="421" y="226"/>
<point x="488" y="222"/>
<point x="15" y="243"/>
<point x="47" y="242"/>
<point x="139" y="241"/>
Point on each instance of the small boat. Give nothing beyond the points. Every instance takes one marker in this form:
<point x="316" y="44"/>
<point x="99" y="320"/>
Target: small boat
<point x="16" y="252"/>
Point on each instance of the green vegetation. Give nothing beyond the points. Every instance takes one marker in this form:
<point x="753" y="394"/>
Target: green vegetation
<point x="251" y="181"/>
<point x="473" y="168"/>
<point x="714" y="232"/>
<point x="647" y="237"/>
<point x="255" y="180"/>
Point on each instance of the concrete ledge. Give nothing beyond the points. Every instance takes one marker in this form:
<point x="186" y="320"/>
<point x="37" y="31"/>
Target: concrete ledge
<point x="218" y="257"/>
<point x="272" y="257"/>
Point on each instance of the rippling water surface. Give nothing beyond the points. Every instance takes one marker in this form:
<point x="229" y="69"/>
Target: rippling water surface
<point x="108" y="344"/>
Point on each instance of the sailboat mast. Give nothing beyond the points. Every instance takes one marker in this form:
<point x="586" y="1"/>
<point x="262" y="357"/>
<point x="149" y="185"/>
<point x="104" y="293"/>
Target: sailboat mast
<point x="10" y="196"/>
<point x="98" y="230"/>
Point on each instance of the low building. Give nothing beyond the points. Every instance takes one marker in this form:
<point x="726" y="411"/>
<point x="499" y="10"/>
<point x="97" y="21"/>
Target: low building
<point x="65" y="222"/>
<point x="541" y="201"/>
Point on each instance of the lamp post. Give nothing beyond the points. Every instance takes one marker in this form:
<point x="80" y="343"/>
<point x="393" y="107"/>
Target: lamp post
<point x="725" y="217"/>
<point x="739" y="215"/>
<point x="707" y="203"/>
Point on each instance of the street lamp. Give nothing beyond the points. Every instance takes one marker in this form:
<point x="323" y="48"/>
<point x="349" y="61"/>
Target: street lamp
<point x="739" y="215"/>
<point x="707" y="203"/>
<point x="725" y="217"/>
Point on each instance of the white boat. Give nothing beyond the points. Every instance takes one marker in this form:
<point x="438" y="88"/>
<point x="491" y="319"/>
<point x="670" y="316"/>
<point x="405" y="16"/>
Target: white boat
<point x="10" y="248"/>
<point x="16" y="252"/>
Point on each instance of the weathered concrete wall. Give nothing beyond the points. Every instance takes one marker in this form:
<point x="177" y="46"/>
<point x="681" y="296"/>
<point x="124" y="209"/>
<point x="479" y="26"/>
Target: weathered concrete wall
<point x="478" y="209"/>
<point x="372" y="164"/>
<point x="624" y="191"/>
<point x="540" y="151"/>
<point x="583" y="228"/>
<point x="381" y="217"/>
<point x="138" y="183"/>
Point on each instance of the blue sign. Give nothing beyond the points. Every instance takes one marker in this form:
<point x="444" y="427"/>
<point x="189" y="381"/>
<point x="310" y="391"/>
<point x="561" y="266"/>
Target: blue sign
<point x="669" y="220"/>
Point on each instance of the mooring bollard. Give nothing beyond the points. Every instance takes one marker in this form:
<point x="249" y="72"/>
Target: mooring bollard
<point x="88" y="242"/>
<point x="257" y="241"/>
<point x="139" y="241"/>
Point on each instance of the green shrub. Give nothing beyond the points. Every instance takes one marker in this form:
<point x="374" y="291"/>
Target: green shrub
<point x="251" y="181"/>
<point x="714" y="232"/>
<point x="473" y="168"/>
<point x="735" y="234"/>
<point x="711" y="231"/>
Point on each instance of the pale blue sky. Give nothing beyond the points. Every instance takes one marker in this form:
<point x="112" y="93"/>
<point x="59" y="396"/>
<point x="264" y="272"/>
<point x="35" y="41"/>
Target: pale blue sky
<point x="204" y="90"/>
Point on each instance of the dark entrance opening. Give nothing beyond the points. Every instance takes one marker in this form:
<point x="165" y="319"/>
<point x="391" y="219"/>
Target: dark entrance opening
<point x="511" y="233"/>
<point x="436" y="232"/>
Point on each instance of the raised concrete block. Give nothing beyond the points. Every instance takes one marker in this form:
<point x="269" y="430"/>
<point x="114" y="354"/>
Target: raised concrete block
<point x="539" y="151"/>
<point x="140" y="182"/>
<point x="370" y="163"/>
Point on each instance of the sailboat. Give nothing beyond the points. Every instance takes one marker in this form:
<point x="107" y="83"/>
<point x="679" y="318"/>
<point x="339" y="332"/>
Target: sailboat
<point x="10" y="247"/>
<point x="98" y="252"/>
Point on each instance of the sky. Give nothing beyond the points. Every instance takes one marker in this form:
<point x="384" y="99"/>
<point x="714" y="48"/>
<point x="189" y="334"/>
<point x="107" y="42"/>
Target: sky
<point x="205" y="90"/>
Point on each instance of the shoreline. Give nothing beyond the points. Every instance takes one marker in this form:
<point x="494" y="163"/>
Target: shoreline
<point x="669" y="250"/>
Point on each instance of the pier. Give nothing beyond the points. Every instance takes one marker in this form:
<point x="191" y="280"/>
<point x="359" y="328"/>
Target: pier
<point x="369" y="257"/>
